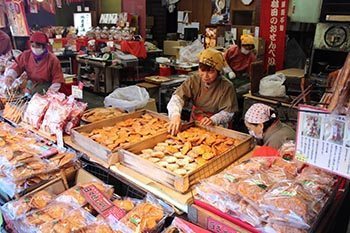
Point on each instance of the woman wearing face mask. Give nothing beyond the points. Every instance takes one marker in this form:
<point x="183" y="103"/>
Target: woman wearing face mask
<point x="240" y="58"/>
<point x="263" y="123"/>
<point x="213" y="96"/>
<point x="43" y="69"/>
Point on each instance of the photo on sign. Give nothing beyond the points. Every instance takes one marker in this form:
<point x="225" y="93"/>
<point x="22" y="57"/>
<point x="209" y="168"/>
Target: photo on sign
<point x="334" y="131"/>
<point x="312" y="126"/>
<point x="347" y="135"/>
<point x="220" y="11"/>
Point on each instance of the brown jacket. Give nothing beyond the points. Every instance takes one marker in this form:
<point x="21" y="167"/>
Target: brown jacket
<point x="278" y="134"/>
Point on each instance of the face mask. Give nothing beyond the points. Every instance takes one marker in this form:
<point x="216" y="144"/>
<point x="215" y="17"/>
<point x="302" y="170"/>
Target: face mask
<point x="37" y="51"/>
<point x="245" y="51"/>
<point x="252" y="133"/>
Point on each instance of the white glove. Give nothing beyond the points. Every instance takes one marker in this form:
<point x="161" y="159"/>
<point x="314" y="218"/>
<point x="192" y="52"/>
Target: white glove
<point x="232" y="75"/>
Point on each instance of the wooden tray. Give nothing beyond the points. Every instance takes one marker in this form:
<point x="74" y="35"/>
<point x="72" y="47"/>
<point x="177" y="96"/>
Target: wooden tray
<point x="83" y="118"/>
<point x="157" y="79"/>
<point x="98" y="150"/>
<point x="129" y="158"/>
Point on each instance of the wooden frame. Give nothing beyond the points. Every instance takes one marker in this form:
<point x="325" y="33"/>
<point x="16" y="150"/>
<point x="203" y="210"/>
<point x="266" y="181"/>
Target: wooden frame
<point x="129" y="158"/>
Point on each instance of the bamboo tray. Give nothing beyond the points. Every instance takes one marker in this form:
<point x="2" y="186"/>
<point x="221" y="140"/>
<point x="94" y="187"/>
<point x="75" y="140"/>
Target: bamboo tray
<point x="100" y="151"/>
<point x="129" y="158"/>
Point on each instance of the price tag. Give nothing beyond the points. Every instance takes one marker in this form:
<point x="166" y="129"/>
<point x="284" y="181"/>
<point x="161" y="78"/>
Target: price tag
<point x="59" y="138"/>
<point x="219" y="227"/>
<point x="77" y="91"/>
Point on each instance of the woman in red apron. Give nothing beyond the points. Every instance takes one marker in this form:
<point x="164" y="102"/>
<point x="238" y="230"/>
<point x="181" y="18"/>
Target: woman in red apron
<point x="213" y="96"/>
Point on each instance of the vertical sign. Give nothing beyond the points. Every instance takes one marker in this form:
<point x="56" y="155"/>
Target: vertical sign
<point x="273" y="26"/>
<point x="17" y="17"/>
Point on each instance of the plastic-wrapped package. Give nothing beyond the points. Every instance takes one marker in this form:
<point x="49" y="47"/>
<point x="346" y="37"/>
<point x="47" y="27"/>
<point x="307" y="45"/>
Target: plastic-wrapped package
<point x="178" y="226"/>
<point x="75" y="115"/>
<point x="288" y="203"/>
<point x="145" y="217"/>
<point x="73" y="195"/>
<point x="97" y="227"/>
<point x="287" y="150"/>
<point x="277" y="228"/>
<point x="36" y="110"/>
<point x="16" y="208"/>
<point x="56" y="117"/>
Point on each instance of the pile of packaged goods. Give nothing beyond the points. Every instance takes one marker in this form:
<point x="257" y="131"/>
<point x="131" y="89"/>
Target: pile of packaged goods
<point x="271" y="193"/>
<point x="53" y="112"/>
<point x="129" y="131"/>
<point x="75" y="211"/>
<point x="188" y="150"/>
<point x="27" y="160"/>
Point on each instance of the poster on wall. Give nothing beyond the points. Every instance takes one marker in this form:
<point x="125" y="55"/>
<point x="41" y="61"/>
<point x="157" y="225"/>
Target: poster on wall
<point x="220" y="11"/>
<point x="273" y="30"/>
<point x="17" y="17"/>
<point x="82" y="22"/>
<point x="323" y="140"/>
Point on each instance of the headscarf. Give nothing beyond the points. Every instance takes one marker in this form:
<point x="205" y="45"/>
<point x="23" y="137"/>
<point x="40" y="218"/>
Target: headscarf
<point x="259" y="113"/>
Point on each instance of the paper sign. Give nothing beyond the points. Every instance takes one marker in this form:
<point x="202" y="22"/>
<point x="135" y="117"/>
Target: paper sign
<point x="59" y="139"/>
<point x="323" y="140"/>
<point x="101" y="203"/>
<point x="218" y="227"/>
<point x="77" y="92"/>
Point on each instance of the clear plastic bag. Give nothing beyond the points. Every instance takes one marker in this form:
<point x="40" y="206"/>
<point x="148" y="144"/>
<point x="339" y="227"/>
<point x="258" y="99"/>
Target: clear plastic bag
<point x="272" y="85"/>
<point x="75" y="115"/>
<point x="35" y="111"/>
<point x="74" y="195"/>
<point x="17" y="208"/>
<point x="189" y="53"/>
<point x="147" y="216"/>
<point x="127" y="98"/>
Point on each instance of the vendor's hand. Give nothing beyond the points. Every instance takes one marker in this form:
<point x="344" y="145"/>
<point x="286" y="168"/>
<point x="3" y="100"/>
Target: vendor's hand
<point x="174" y="126"/>
<point x="9" y="80"/>
<point x="206" y="121"/>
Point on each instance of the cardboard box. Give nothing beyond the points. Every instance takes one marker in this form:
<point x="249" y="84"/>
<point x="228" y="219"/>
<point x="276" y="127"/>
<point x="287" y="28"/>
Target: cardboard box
<point x="212" y="222"/>
<point x="172" y="47"/>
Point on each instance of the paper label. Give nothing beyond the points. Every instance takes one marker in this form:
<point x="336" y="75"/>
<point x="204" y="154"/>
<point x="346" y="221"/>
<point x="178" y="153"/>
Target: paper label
<point x="323" y="140"/>
<point x="77" y="92"/>
<point x="101" y="204"/>
<point x="59" y="138"/>
<point x="218" y="227"/>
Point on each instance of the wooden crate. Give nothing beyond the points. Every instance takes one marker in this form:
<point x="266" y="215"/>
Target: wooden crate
<point x="96" y="149"/>
<point x="129" y="158"/>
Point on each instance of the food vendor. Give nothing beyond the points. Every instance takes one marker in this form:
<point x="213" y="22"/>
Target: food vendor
<point x="213" y="96"/>
<point x="263" y="123"/>
<point x="240" y="58"/>
<point x="41" y="66"/>
<point x="5" y="43"/>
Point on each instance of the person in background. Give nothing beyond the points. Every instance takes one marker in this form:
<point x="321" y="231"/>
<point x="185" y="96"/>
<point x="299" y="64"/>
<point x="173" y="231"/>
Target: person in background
<point x="43" y="69"/>
<point x="263" y="123"/>
<point x="5" y="43"/>
<point x="213" y="96"/>
<point x="240" y="58"/>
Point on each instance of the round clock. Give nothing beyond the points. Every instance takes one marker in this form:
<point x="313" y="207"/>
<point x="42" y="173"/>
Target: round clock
<point x="246" y="2"/>
<point x="335" y="36"/>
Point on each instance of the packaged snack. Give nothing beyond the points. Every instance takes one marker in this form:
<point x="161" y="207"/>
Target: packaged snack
<point x="36" y="110"/>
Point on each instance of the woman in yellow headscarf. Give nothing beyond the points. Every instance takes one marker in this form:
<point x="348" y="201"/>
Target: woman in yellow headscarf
<point x="240" y="58"/>
<point x="213" y="96"/>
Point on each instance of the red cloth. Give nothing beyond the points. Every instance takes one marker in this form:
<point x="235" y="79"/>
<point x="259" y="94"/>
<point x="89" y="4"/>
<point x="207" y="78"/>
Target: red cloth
<point x="39" y="37"/>
<point x="136" y="48"/>
<point x="5" y="43"/>
<point x="46" y="70"/>
<point x="238" y="61"/>
<point x="266" y="151"/>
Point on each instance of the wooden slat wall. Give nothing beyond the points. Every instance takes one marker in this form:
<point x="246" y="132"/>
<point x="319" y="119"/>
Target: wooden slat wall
<point x="201" y="10"/>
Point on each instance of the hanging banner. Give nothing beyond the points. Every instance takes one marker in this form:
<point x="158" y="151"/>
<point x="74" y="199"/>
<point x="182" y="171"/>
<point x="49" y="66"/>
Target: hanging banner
<point x="273" y="29"/>
<point x="49" y="6"/>
<point x="323" y="140"/>
<point x="33" y="6"/>
<point x="2" y="14"/>
<point x="17" y="17"/>
<point x="220" y="11"/>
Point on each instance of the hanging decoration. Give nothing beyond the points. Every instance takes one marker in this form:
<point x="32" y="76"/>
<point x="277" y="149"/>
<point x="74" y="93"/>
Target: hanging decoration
<point x="49" y="6"/>
<point x="17" y="17"/>
<point x="220" y="11"/>
<point x="2" y="14"/>
<point x="33" y="6"/>
<point x="59" y="3"/>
